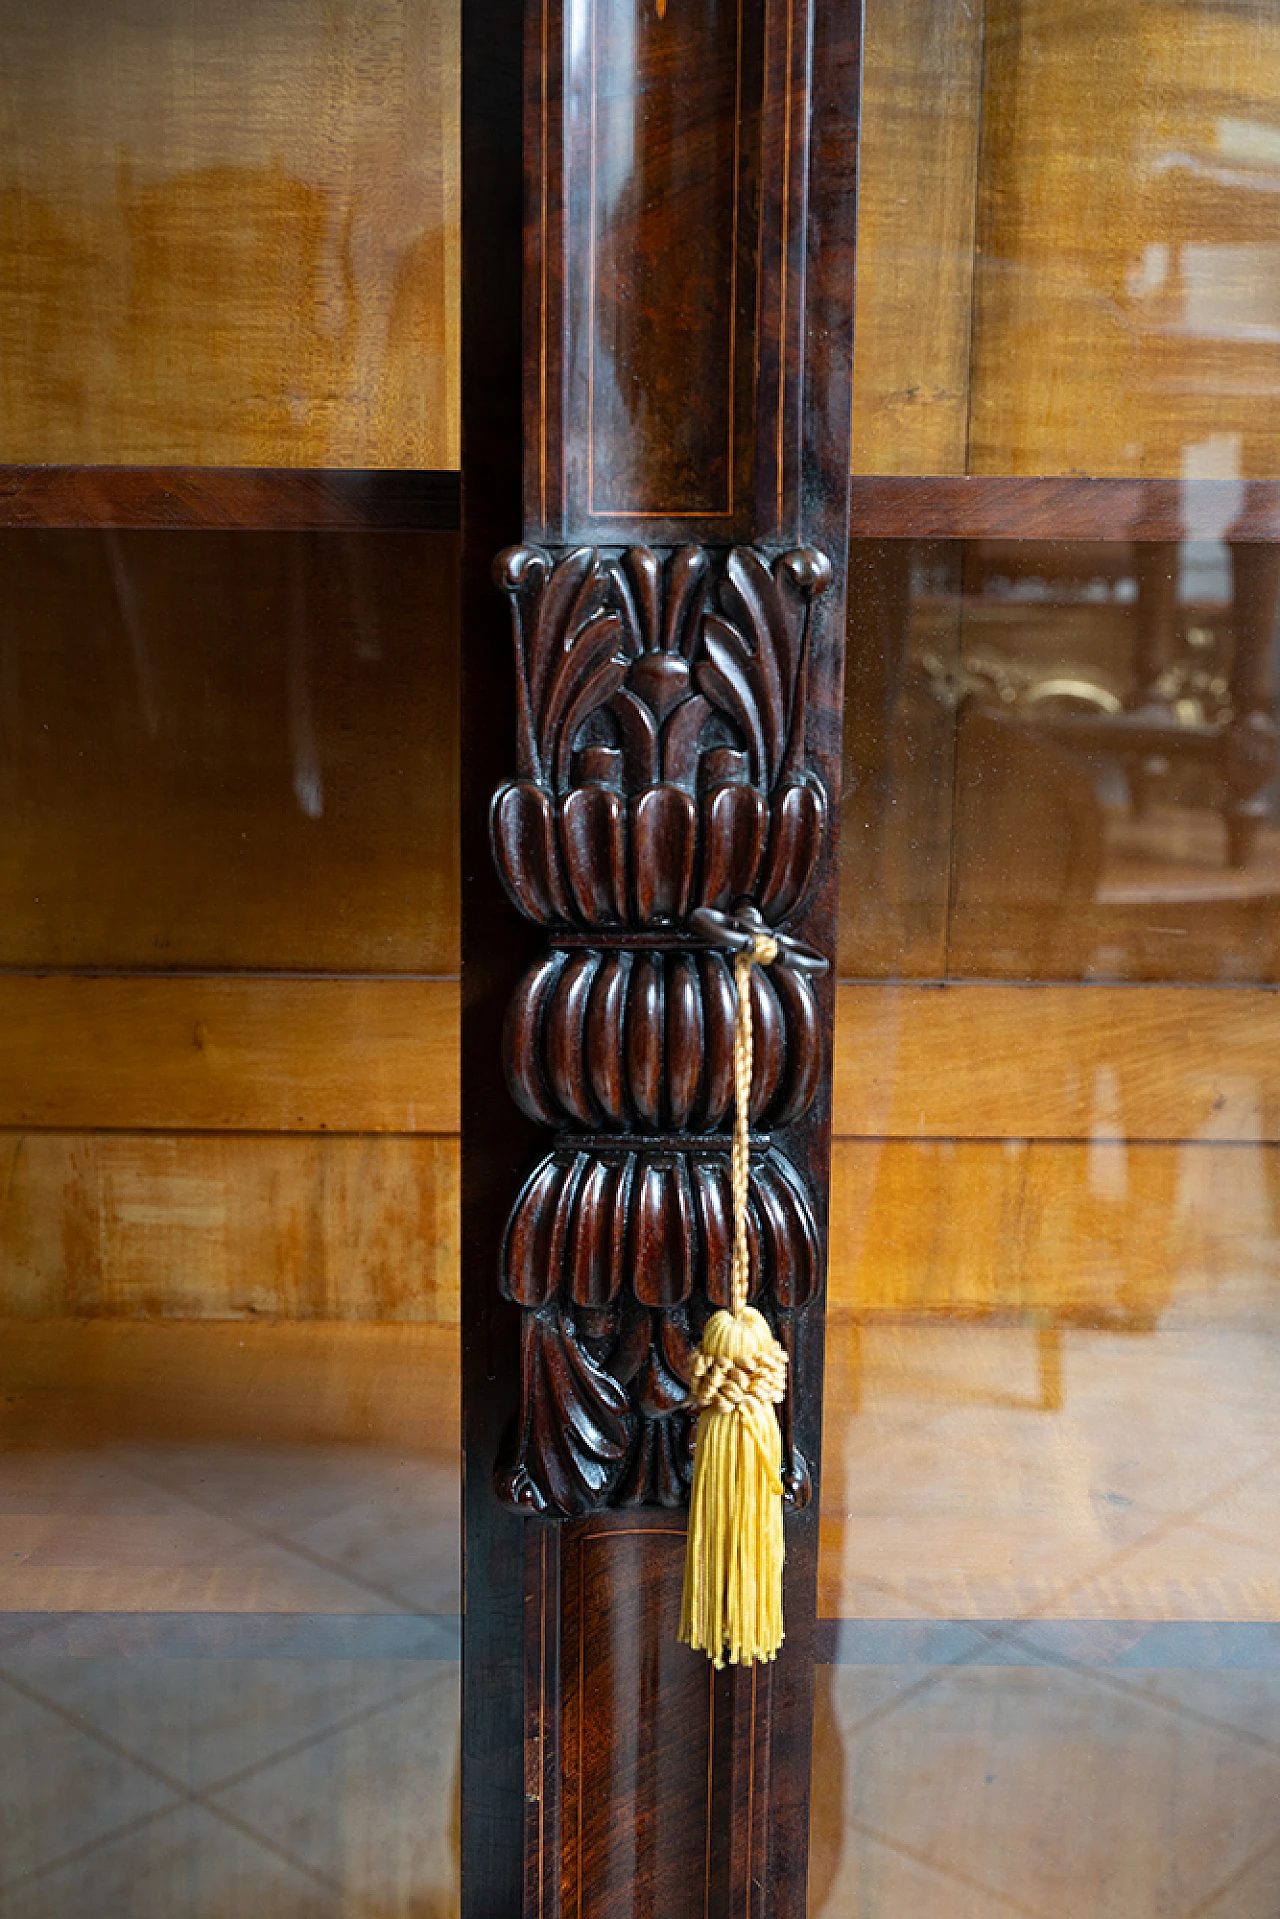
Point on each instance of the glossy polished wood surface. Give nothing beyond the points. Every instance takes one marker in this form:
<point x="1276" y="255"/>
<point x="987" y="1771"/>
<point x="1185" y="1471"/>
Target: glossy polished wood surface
<point x="687" y="314"/>
<point x="977" y="506"/>
<point x="228" y="235"/>
<point x="257" y="499"/>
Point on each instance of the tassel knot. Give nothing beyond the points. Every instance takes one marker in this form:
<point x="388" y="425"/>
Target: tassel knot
<point x="720" y="1384"/>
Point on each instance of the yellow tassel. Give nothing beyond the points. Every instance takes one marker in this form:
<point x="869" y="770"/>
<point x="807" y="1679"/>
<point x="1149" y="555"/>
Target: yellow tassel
<point x="732" y="1606"/>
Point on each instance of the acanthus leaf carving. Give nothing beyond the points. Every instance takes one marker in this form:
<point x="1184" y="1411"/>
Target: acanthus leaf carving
<point x="575" y="1425"/>
<point x="661" y="735"/>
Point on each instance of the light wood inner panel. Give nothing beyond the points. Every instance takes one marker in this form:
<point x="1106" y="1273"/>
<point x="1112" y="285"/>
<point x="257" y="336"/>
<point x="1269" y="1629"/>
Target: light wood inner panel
<point x="254" y="1054"/>
<point x="963" y="1061"/>
<point x="218" y="1226"/>
<point x="1123" y="269"/>
<point x="1128" y="289"/>
<point x="1050" y="1232"/>
<point x="93" y="1381"/>
<point x="921" y="84"/>
<point x="1045" y="1150"/>
<point x="1058" y="1062"/>
<point x="229" y="233"/>
<point x="229" y="750"/>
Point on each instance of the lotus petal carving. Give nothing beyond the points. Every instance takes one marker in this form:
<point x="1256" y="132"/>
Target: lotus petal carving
<point x="592" y="1226"/>
<point x="612" y="1039"/>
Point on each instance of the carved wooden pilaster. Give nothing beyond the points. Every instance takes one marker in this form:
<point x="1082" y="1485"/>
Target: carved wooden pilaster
<point x="663" y="737"/>
<point x="662" y="769"/>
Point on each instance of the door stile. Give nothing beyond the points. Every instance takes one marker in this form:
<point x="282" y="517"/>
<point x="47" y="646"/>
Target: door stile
<point x="659" y="221"/>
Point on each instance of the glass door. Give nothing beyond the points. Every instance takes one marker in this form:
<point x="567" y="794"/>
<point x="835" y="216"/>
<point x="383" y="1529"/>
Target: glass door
<point x="229" y="1456"/>
<point x="1052" y="1456"/>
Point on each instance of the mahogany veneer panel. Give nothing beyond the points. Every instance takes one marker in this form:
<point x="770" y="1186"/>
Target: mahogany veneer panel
<point x="1061" y="507"/>
<point x="254" y="1053"/>
<point x="266" y="499"/>
<point x="637" y="1724"/>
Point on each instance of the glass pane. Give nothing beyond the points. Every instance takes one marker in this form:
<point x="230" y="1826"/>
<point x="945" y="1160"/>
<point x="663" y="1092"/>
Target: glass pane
<point x="228" y="233"/>
<point x="1052" y="1445"/>
<point x="229" y="1447"/>
<point x="229" y="749"/>
<point x="1067" y="255"/>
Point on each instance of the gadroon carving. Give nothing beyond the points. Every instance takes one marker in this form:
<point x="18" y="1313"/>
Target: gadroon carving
<point x="661" y="767"/>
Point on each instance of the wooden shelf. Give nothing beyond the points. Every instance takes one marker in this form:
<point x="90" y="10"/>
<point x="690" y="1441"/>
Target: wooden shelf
<point x="263" y="499"/>
<point x="957" y="507"/>
<point x="948" y="507"/>
<point x="883" y="505"/>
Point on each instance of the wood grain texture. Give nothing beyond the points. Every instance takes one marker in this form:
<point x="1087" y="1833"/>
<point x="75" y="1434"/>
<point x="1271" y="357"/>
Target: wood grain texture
<point x="261" y="499"/>
<point x="1031" y="1061"/>
<point x="254" y="1053"/>
<point x="973" y="1061"/>
<point x="637" y="1722"/>
<point x="1124" y="302"/>
<point x="258" y="269"/>
<point x="782" y="370"/>
<point x="153" y="1226"/>
<point x="1061" y="507"/>
<point x="921" y="89"/>
<point x="229" y="749"/>
<point x="84" y="1382"/>
<point x="1042" y="1232"/>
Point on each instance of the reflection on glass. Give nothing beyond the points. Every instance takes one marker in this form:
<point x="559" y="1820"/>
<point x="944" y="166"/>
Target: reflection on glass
<point x="228" y="1619"/>
<point x="229" y="1472"/>
<point x="229" y="749"/>
<point x="1052" y="1437"/>
<point x="1064" y="764"/>
<point x="1067" y="239"/>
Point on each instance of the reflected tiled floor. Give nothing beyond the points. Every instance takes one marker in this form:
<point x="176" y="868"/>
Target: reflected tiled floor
<point x="228" y="1630"/>
<point x="228" y="1669"/>
<point x="1148" y="1487"/>
<point x="1056" y="1687"/>
<point x="1047" y="1791"/>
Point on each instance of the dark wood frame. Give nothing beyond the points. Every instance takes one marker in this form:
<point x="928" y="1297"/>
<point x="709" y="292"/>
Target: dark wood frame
<point x="605" y="1767"/>
<point x="951" y="506"/>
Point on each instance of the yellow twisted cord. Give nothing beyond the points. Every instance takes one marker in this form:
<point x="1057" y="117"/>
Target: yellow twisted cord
<point x="762" y="952"/>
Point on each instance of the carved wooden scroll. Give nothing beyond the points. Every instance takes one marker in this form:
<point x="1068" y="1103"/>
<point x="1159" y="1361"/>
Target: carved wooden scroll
<point x="658" y="300"/>
<point x="662" y="759"/>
